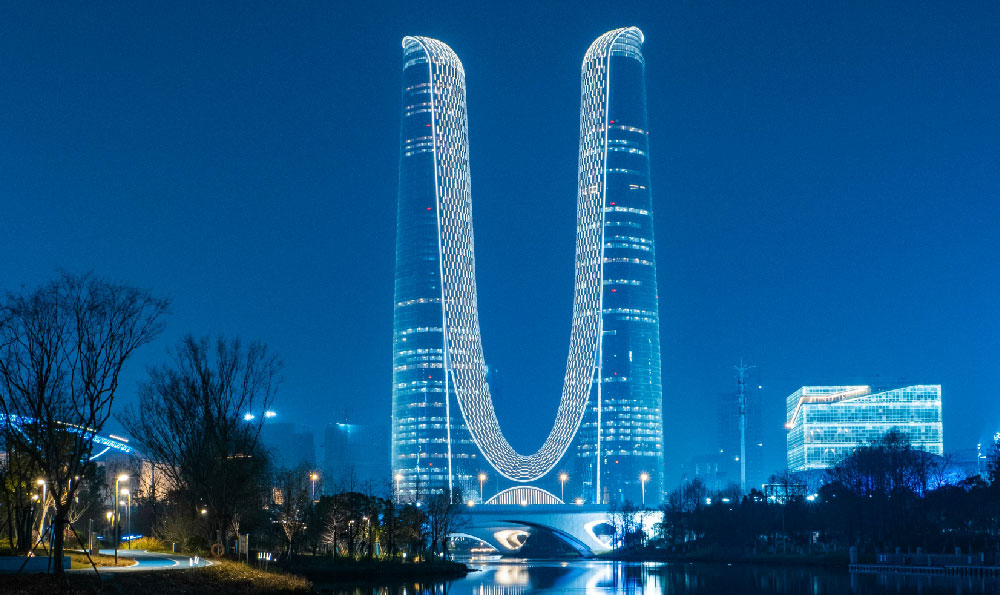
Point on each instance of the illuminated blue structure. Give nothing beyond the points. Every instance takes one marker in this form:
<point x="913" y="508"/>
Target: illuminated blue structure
<point x="608" y="427"/>
<point x="827" y="423"/>
<point x="103" y="444"/>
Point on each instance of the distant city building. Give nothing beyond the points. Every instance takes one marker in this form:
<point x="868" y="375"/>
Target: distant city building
<point x="355" y="454"/>
<point x="826" y="423"/>
<point x="608" y="431"/>
<point x="713" y="470"/>
<point x="289" y="444"/>
<point x="781" y="492"/>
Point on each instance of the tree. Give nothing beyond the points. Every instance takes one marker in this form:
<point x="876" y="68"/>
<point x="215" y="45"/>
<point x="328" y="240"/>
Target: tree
<point x="444" y="516"/>
<point x="296" y="503"/>
<point x="62" y="349"/>
<point x="200" y="416"/>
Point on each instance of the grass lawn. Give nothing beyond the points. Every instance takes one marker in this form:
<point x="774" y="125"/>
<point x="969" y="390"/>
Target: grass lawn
<point x="223" y="578"/>
<point x="79" y="559"/>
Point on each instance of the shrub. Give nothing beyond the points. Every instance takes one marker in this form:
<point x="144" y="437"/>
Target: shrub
<point x="151" y="544"/>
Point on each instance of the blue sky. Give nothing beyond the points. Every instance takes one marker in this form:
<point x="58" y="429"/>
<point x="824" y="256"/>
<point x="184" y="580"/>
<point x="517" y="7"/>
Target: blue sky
<point x="825" y="184"/>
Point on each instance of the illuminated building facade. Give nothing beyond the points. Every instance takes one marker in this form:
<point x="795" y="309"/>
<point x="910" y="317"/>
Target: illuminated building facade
<point x="826" y="423"/>
<point x="443" y="421"/>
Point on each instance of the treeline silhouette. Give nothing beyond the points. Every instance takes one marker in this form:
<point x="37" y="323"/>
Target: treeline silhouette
<point x="883" y="496"/>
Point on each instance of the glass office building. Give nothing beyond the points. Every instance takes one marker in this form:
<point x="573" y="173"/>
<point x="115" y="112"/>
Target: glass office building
<point x="625" y="420"/>
<point x="608" y="428"/>
<point x="826" y="423"/>
<point x="431" y="448"/>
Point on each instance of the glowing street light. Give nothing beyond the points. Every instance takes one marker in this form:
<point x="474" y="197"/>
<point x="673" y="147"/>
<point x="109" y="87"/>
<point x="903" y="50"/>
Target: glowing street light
<point x="248" y="417"/>
<point x="128" y="515"/>
<point x="313" y="477"/>
<point x="644" y="477"/>
<point x="398" y="478"/>
<point x="123" y="478"/>
<point x="562" y="486"/>
<point x="269" y="414"/>
<point x="41" y="523"/>
<point x="482" y="479"/>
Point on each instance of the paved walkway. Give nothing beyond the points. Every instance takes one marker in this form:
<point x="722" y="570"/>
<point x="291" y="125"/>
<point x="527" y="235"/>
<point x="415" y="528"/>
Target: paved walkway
<point x="147" y="561"/>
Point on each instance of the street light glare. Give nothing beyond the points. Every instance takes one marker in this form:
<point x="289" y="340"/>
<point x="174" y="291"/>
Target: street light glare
<point x="644" y="476"/>
<point x="123" y="477"/>
<point x="563" y="477"/>
<point x="40" y="482"/>
<point x="269" y="414"/>
<point x="248" y="417"/>
<point x="482" y="477"/>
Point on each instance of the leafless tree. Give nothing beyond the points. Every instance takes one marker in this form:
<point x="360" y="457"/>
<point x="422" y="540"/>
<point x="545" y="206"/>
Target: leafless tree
<point x="194" y="418"/>
<point x="444" y="517"/>
<point x="62" y="350"/>
<point x="296" y="503"/>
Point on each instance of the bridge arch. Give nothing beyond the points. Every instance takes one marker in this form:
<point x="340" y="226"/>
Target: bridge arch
<point x="523" y="496"/>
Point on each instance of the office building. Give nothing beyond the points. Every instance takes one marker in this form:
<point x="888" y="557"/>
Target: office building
<point x="608" y="428"/>
<point x="826" y="423"/>
<point x="355" y="458"/>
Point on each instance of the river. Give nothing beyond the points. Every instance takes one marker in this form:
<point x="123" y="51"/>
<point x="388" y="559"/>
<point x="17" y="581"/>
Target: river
<point x="512" y="577"/>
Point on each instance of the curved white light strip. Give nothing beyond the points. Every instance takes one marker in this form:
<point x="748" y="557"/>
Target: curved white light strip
<point x="523" y="495"/>
<point x="512" y="539"/>
<point x="464" y="361"/>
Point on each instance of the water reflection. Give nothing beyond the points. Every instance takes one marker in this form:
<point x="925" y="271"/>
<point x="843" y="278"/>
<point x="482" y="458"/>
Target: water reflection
<point x="514" y="577"/>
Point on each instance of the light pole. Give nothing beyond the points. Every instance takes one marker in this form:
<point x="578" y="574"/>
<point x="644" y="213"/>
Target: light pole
<point x="128" y="515"/>
<point x="313" y="477"/>
<point x="118" y="517"/>
<point x="562" y="486"/>
<point x="644" y="477"/>
<point x="482" y="479"/>
<point x="41" y="522"/>
<point x="398" y="478"/>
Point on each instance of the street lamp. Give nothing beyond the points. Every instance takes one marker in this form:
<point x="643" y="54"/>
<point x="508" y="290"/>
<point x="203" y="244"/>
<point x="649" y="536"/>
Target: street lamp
<point x="128" y="515"/>
<point x="313" y="477"/>
<point x="562" y="486"/>
<point x="118" y="517"/>
<point x="398" y="478"/>
<point x="482" y="479"/>
<point x="41" y="523"/>
<point x="644" y="477"/>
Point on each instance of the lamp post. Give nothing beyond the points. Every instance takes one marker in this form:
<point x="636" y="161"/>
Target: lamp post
<point x="398" y="478"/>
<point x="313" y="477"/>
<point x="644" y="477"/>
<point x="118" y="517"/>
<point x="482" y="479"/>
<point x="128" y="515"/>
<point x="41" y="522"/>
<point x="562" y="486"/>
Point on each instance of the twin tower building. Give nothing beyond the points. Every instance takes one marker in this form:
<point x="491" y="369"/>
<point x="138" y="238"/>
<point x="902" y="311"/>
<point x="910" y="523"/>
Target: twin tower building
<point x="606" y="442"/>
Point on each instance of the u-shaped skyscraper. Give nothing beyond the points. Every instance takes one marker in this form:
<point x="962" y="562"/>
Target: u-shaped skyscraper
<point x="608" y="431"/>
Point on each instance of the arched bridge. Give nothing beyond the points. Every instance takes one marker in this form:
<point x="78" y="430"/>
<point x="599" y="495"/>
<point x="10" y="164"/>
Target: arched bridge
<point x="585" y="528"/>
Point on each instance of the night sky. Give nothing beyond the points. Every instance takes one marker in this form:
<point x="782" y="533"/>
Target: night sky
<point x="825" y="180"/>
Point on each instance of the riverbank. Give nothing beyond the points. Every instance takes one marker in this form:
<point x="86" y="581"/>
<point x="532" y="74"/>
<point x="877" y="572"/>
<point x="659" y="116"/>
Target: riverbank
<point x="322" y="569"/>
<point x="732" y="556"/>
<point x="225" y="577"/>
<point x="222" y="578"/>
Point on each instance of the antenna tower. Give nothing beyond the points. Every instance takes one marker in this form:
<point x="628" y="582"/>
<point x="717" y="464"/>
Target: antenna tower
<point x="741" y="377"/>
